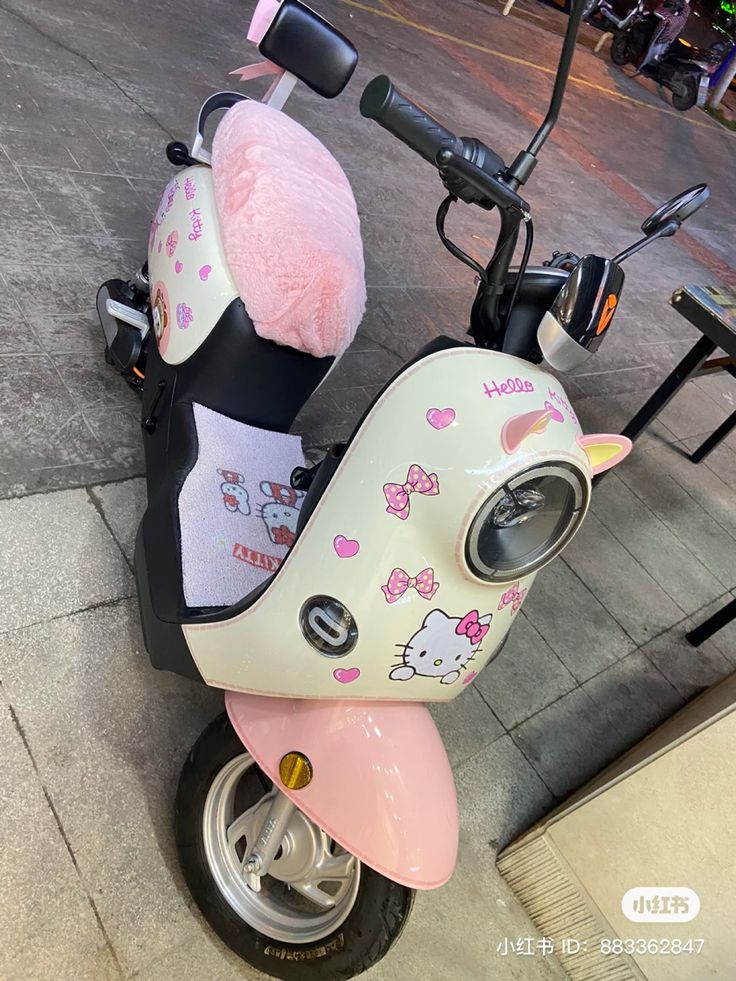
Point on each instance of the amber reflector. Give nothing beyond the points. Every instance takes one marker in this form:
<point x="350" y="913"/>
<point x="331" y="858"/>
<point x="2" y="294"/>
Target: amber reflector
<point x="295" y="771"/>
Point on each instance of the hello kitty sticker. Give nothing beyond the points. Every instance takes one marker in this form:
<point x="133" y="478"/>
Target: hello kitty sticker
<point x="234" y="495"/>
<point x="442" y="647"/>
<point x="281" y="513"/>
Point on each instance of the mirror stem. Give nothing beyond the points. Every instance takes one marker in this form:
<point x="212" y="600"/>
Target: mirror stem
<point x="563" y="70"/>
<point x="669" y="228"/>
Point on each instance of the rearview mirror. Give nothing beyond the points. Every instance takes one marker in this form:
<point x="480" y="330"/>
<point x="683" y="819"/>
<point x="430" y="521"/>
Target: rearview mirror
<point x="677" y="209"/>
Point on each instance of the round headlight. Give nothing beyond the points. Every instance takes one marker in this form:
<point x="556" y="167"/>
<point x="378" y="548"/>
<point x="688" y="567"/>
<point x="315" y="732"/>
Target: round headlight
<point x="526" y="522"/>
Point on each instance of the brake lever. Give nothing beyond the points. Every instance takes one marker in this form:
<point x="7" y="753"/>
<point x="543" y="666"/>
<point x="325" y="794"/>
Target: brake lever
<point x="488" y="190"/>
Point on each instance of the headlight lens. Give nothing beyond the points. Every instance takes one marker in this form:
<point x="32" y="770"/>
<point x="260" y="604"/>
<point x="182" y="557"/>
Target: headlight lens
<point x="526" y="522"/>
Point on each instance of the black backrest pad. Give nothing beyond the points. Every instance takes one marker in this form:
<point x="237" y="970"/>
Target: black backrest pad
<point x="303" y="43"/>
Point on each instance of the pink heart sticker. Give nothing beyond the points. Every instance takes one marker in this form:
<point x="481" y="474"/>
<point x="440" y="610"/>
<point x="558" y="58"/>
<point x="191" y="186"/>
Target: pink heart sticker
<point x="346" y="675"/>
<point x="346" y="548"/>
<point x="204" y="273"/>
<point x="178" y="266"/>
<point x="440" y="418"/>
<point x="470" y="676"/>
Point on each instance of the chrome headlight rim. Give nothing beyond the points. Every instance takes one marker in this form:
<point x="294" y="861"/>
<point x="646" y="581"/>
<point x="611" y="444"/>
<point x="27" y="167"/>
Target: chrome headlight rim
<point x="536" y="558"/>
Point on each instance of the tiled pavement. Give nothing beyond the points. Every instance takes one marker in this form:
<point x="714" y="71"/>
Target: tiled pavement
<point x="92" y="737"/>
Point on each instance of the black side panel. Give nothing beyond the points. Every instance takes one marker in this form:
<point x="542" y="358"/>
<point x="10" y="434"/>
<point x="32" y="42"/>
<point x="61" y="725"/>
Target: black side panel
<point x="243" y="376"/>
<point x="164" y="640"/>
<point x="236" y="373"/>
<point x="537" y="292"/>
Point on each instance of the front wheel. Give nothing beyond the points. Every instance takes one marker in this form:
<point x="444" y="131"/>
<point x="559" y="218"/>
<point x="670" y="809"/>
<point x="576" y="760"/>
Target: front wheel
<point x="319" y="914"/>
<point x="620" y="50"/>
<point x="684" y="91"/>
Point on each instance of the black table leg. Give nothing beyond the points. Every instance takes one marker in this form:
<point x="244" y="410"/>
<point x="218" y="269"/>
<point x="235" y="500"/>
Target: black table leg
<point x="706" y="629"/>
<point x="689" y="366"/>
<point x="685" y="370"/>
<point x="713" y="440"/>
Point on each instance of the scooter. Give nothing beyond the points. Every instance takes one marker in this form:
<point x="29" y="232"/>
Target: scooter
<point x="683" y="69"/>
<point x="601" y="14"/>
<point x="331" y="602"/>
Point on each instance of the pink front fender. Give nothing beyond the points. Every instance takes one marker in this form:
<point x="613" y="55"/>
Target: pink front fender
<point x="382" y="785"/>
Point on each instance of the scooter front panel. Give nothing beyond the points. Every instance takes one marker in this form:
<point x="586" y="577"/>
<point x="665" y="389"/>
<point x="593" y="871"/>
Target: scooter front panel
<point x="190" y="281"/>
<point x="382" y="595"/>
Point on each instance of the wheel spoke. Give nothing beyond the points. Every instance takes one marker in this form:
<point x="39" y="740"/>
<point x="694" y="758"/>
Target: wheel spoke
<point x="312" y="892"/>
<point x="335" y="868"/>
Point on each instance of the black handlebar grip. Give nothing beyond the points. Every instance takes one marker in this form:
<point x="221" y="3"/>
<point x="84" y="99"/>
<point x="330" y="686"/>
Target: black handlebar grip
<point x="404" y="120"/>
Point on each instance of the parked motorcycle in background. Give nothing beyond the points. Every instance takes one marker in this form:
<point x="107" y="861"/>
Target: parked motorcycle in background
<point x="683" y="69"/>
<point x="601" y="14"/>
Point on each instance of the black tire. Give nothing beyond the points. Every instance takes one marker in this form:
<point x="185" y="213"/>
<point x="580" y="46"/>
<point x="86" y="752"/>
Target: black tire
<point x="620" y="50"/>
<point x="686" y="95"/>
<point x="374" y="923"/>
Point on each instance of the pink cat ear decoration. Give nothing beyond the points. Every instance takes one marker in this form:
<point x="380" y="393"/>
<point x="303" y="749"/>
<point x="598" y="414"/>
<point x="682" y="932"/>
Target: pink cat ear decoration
<point x="517" y="428"/>
<point x="604" y="450"/>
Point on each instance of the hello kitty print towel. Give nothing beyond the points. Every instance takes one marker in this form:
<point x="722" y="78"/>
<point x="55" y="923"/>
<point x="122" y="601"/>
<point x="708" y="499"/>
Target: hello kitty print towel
<point x="237" y="511"/>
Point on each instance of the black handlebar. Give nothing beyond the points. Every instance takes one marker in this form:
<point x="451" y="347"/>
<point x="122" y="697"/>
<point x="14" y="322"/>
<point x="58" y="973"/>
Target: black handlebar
<point x="405" y="120"/>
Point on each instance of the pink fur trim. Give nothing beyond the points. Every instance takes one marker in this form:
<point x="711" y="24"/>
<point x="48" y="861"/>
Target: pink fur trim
<point x="290" y="230"/>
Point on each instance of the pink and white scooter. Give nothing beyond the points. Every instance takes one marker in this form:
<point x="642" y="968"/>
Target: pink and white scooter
<point x="331" y="602"/>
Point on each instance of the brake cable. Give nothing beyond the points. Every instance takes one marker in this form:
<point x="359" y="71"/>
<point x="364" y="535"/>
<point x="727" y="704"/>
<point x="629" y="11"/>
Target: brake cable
<point x="529" y="225"/>
<point x="453" y="249"/>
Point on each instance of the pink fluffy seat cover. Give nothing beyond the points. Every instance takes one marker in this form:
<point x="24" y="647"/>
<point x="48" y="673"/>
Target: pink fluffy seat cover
<point x="290" y="230"/>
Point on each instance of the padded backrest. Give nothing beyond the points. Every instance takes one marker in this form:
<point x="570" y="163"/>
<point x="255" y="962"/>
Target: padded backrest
<point x="303" y="43"/>
<point x="290" y="230"/>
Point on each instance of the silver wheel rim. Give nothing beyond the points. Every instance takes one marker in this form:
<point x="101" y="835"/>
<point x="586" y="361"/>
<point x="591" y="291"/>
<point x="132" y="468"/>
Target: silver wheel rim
<point x="313" y="882"/>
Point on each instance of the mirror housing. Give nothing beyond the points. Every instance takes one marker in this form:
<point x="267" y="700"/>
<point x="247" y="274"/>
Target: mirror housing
<point x="677" y="209"/>
<point x="576" y="323"/>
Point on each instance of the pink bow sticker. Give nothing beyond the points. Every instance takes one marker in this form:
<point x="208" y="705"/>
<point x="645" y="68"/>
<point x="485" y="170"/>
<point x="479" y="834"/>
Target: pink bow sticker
<point x="417" y="482"/>
<point x="399" y="582"/>
<point x="513" y="597"/>
<point x="471" y="627"/>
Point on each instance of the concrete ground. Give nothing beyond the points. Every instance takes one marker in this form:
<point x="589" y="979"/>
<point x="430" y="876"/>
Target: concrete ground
<point x="93" y="737"/>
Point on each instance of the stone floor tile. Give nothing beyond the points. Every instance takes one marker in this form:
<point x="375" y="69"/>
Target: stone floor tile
<point x="692" y="412"/>
<point x="577" y="627"/>
<point x="109" y="735"/>
<point x="57" y="557"/>
<point x="361" y="369"/>
<point x="55" y="290"/>
<point x="467" y="725"/>
<point x="47" y="923"/>
<point x="688" y="669"/>
<point x="435" y="943"/>
<point x="122" y="505"/>
<point x="721" y="460"/>
<point x="680" y="574"/>
<point x="633" y="697"/>
<point x="525" y="676"/>
<point x="569" y="742"/>
<point x="500" y="794"/>
<point x="626" y="590"/>
<point x="609" y="414"/>
<point x="56" y="193"/>
<point x="75" y="334"/>
<point x="116" y="204"/>
<point x="691" y="500"/>
<point x="16" y="335"/>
